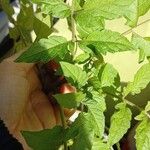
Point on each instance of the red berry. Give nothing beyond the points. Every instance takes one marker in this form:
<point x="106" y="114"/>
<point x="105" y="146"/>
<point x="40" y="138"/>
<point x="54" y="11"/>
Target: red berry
<point x="53" y="65"/>
<point x="67" y="88"/>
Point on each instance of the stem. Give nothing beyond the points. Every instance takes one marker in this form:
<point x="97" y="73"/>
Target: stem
<point x="73" y="30"/>
<point x="62" y="116"/>
<point x="126" y="101"/>
<point x="118" y="146"/>
<point x="21" y="34"/>
<point x="132" y="104"/>
<point x="82" y="107"/>
<point x="130" y="30"/>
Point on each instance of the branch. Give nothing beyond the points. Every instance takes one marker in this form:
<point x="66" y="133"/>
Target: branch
<point x="130" y="30"/>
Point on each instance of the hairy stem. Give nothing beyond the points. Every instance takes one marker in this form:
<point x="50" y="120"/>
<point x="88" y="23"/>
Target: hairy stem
<point x="63" y="121"/>
<point x="73" y="30"/>
<point x="128" y="103"/>
<point x="130" y="30"/>
<point x="118" y="146"/>
<point x="132" y="104"/>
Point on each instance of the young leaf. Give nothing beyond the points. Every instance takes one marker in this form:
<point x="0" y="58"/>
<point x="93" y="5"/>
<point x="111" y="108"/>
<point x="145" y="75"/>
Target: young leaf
<point x="82" y="58"/>
<point x="108" y="76"/>
<point x="120" y="123"/>
<point x="88" y="23"/>
<point x="107" y="41"/>
<point x="55" y="7"/>
<point x="42" y="26"/>
<point x="95" y="83"/>
<point x="141" y="80"/>
<point x="45" y="139"/>
<point x="45" y="49"/>
<point x="70" y="100"/>
<point x="84" y="139"/>
<point x="74" y="73"/>
<point x="143" y="135"/>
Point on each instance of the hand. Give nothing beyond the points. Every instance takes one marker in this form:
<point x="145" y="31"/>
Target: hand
<point x="23" y="105"/>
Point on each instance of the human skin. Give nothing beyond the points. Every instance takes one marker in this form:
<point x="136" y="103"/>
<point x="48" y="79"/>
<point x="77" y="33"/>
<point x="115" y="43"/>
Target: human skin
<point x="23" y="105"/>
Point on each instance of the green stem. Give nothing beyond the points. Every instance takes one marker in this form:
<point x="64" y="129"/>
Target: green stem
<point x="118" y="146"/>
<point x="132" y="104"/>
<point x="62" y="116"/>
<point x="73" y="30"/>
<point x="82" y="107"/>
<point x="125" y="100"/>
<point x="21" y="34"/>
<point x="130" y="30"/>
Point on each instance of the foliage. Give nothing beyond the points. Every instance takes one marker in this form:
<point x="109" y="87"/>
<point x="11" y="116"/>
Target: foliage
<point x="93" y="78"/>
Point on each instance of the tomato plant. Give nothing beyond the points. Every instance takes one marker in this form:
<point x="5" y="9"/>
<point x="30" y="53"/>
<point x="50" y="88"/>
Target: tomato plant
<point x="79" y="63"/>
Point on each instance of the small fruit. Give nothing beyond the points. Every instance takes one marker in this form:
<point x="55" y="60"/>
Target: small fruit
<point x="53" y="65"/>
<point x="67" y="88"/>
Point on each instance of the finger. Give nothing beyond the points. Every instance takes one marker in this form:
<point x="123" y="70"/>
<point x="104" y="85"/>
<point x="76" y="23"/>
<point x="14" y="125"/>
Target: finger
<point x="33" y="80"/>
<point x="29" y="121"/>
<point x="14" y="91"/>
<point x="43" y="109"/>
<point x="20" y="138"/>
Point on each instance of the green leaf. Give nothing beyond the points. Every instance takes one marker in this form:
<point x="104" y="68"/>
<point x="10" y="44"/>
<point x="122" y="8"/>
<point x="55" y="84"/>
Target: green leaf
<point x="136" y="9"/>
<point x="45" y="49"/>
<point x="25" y="21"/>
<point x="143" y="7"/>
<point x="107" y="41"/>
<point x="25" y="17"/>
<point x="88" y="23"/>
<point x="94" y="81"/>
<point x="108" y="76"/>
<point x="147" y="108"/>
<point x="141" y="116"/>
<point x="5" y="4"/>
<point x="76" y="5"/>
<point x="141" y="80"/>
<point x="84" y="139"/>
<point x="120" y="123"/>
<point x="82" y="58"/>
<point x="141" y="44"/>
<point x="42" y="26"/>
<point x="143" y="135"/>
<point x="109" y="9"/>
<point x="55" y="7"/>
<point x="70" y="100"/>
<point x="141" y="56"/>
<point x="74" y="74"/>
<point x="48" y="139"/>
<point x="99" y="145"/>
<point x="131" y="14"/>
<point x="96" y="108"/>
